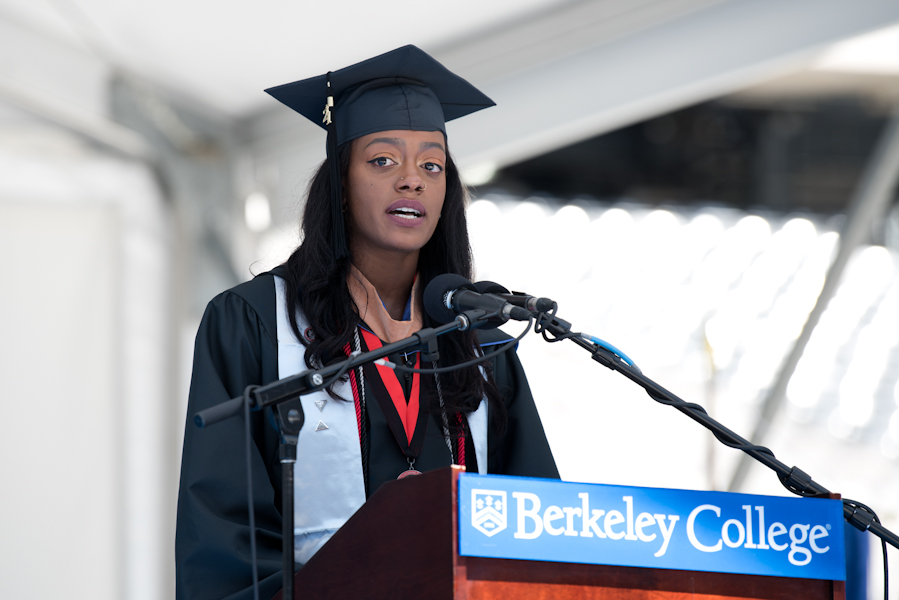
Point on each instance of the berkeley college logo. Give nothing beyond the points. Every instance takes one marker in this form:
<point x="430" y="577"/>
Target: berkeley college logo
<point x="488" y="511"/>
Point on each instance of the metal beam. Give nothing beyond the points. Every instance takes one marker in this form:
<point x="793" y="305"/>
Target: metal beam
<point x="870" y="202"/>
<point x="94" y="128"/>
<point x="635" y="73"/>
<point x="590" y="67"/>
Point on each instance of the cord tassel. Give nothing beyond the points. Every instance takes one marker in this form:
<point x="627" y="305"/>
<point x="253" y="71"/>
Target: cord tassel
<point x="338" y="232"/>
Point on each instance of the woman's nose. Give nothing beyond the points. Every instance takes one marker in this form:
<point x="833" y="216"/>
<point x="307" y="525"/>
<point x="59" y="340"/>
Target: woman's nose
<point x="410" y="180"/>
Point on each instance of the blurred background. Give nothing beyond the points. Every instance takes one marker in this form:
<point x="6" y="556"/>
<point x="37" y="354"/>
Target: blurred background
<point x="709" y="185"/>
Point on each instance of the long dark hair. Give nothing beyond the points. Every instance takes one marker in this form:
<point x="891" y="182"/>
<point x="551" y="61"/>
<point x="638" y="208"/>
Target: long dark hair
<point x="316" y="281"/>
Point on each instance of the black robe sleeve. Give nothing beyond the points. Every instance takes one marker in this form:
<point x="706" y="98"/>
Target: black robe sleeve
<point x="522" y="448"/>
<point x="236" y="346"/>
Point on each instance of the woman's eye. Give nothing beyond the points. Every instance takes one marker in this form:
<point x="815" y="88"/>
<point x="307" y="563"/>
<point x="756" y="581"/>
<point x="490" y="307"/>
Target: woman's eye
<point x="432" y="167"/>
<point x="382" y="161"/>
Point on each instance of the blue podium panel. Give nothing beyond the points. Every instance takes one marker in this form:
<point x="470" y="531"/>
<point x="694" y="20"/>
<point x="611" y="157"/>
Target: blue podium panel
<point x="544" y="519"/>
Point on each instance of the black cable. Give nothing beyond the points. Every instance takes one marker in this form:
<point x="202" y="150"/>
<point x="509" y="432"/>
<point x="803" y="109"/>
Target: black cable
<point x="796" y="481"/>
<point x="866" y="516"/>
<point x="719" y="437"/>
<point x="344" y="367"/>
<point x="505" y="347"/>
<point x="546" y="318"/>
<point x="246" y="416"/>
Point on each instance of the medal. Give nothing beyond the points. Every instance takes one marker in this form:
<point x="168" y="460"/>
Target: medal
<point x="410" y="471"/>
<point x="407" y="419"/>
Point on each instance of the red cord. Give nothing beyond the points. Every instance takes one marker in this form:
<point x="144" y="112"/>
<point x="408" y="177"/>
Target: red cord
<point x="356" y="401"/>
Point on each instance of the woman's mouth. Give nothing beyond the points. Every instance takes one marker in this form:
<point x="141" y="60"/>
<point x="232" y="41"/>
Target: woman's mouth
<point x="407" y="212"/>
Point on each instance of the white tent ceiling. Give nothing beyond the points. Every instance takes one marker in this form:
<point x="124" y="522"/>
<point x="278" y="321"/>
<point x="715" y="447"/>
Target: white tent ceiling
<point x="226" y="53"/>
<point x="560" y="70"/>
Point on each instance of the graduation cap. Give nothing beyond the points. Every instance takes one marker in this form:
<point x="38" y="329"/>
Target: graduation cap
<point x="401" y="89"/>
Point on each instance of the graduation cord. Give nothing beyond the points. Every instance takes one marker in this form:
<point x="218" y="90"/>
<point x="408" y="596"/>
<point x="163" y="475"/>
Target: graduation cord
<point x="357" y="383"/>
<point x="458" y="457"/>
<point x="246" y="419"/>
<point x="338" y="235"/>
<point x="363" y="431"/>
<point x="344" y="367"/>
<point x="446" y="431"/>
<point x="460" y="441"/>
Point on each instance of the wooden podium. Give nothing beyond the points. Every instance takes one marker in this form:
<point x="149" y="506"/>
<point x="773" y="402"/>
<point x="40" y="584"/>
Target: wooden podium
<point x="403" y="544"/>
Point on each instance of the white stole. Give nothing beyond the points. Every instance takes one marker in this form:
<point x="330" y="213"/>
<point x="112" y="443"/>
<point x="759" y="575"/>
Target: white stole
<point x="328" y="481"/>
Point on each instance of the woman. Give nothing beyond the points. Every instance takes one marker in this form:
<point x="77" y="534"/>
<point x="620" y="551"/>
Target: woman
<point x="384" y="216"/>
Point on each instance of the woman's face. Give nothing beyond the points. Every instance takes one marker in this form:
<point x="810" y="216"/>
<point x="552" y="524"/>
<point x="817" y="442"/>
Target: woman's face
<point x="395" y="190"/>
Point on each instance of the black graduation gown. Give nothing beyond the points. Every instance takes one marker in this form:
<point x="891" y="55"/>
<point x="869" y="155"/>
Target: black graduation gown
<point x="236" y="346"/>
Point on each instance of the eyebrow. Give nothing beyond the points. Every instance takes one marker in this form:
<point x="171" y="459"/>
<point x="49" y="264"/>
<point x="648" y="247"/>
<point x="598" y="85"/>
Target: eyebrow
<point x="426" y="145"/>
<point x="386" y="140"/>
<point x="402" y="143"/>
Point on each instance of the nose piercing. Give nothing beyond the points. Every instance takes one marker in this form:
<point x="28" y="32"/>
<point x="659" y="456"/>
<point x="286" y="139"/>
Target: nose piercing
<point x="422" y="187"/>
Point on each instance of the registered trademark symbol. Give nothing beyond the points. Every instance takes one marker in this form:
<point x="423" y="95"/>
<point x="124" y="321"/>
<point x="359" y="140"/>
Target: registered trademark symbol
<point x="828" y="525"/>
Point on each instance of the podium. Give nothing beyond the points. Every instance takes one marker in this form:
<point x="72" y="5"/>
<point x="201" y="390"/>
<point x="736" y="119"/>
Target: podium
<point x="404" y="543"/>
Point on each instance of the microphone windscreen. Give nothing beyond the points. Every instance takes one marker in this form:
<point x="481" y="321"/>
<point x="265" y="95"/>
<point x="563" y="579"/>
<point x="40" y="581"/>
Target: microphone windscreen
<point x="490" y="287"/>
<point x="435" y="294"/>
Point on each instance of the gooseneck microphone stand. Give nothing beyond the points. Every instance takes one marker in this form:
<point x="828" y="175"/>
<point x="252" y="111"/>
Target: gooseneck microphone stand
<point x="793" y="478"/>
<point x="283" y="396"/>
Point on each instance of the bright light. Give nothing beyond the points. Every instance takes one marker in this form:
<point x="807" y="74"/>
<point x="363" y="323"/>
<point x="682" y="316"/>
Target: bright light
<point x="257" y="212"/>
<point x="804" y="389"/>
<point x="478" y="174"/>
<point x="275" y="247"/>
<point x="486" y="238"/>
<point x="889" y="447"/>
<point x="857" y="397"/>
<point x="757" y="369"/>
<point x="703" y="231"/>
<point x="731" y="257"/>
<point x="722" y="338"/>
<point x="894" y="426"/>
<point x="615" y="225"/>
<point x="837" y="427"/>
<point x="660" y="284"/>
<point x="752" y="229"/>
<point x="889" y="442"/>
<point x="801" y="231"/>
<point x="876" y="52"/>
<point x="566" y="232"/>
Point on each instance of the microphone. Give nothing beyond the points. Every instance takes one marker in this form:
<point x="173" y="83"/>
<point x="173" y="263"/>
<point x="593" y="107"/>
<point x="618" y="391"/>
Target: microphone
<point x="450" y="294"/>
<point x="531" y="303"/>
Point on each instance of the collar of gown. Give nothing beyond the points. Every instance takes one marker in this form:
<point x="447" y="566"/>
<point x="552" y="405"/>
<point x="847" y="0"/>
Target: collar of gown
<point x="373" y="313"/>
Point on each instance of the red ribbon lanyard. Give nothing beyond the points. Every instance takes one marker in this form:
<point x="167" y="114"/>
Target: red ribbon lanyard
<point x="407" y="411"/>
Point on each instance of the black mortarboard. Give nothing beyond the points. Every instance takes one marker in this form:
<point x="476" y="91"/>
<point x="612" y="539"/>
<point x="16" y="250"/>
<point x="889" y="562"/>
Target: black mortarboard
<point x="402" y="89"/>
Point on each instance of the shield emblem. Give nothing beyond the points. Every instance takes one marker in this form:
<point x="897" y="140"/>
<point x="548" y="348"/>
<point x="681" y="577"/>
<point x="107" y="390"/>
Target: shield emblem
<point x="488" y="511"/>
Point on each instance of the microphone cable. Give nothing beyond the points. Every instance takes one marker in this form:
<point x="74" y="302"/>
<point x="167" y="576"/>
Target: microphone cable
<point x="247" y="401"/>
<point x="546" y="319"/>
<point x="344" y="367"/>
<point x="862" y="517"/>
<point x="505" y="347"/>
